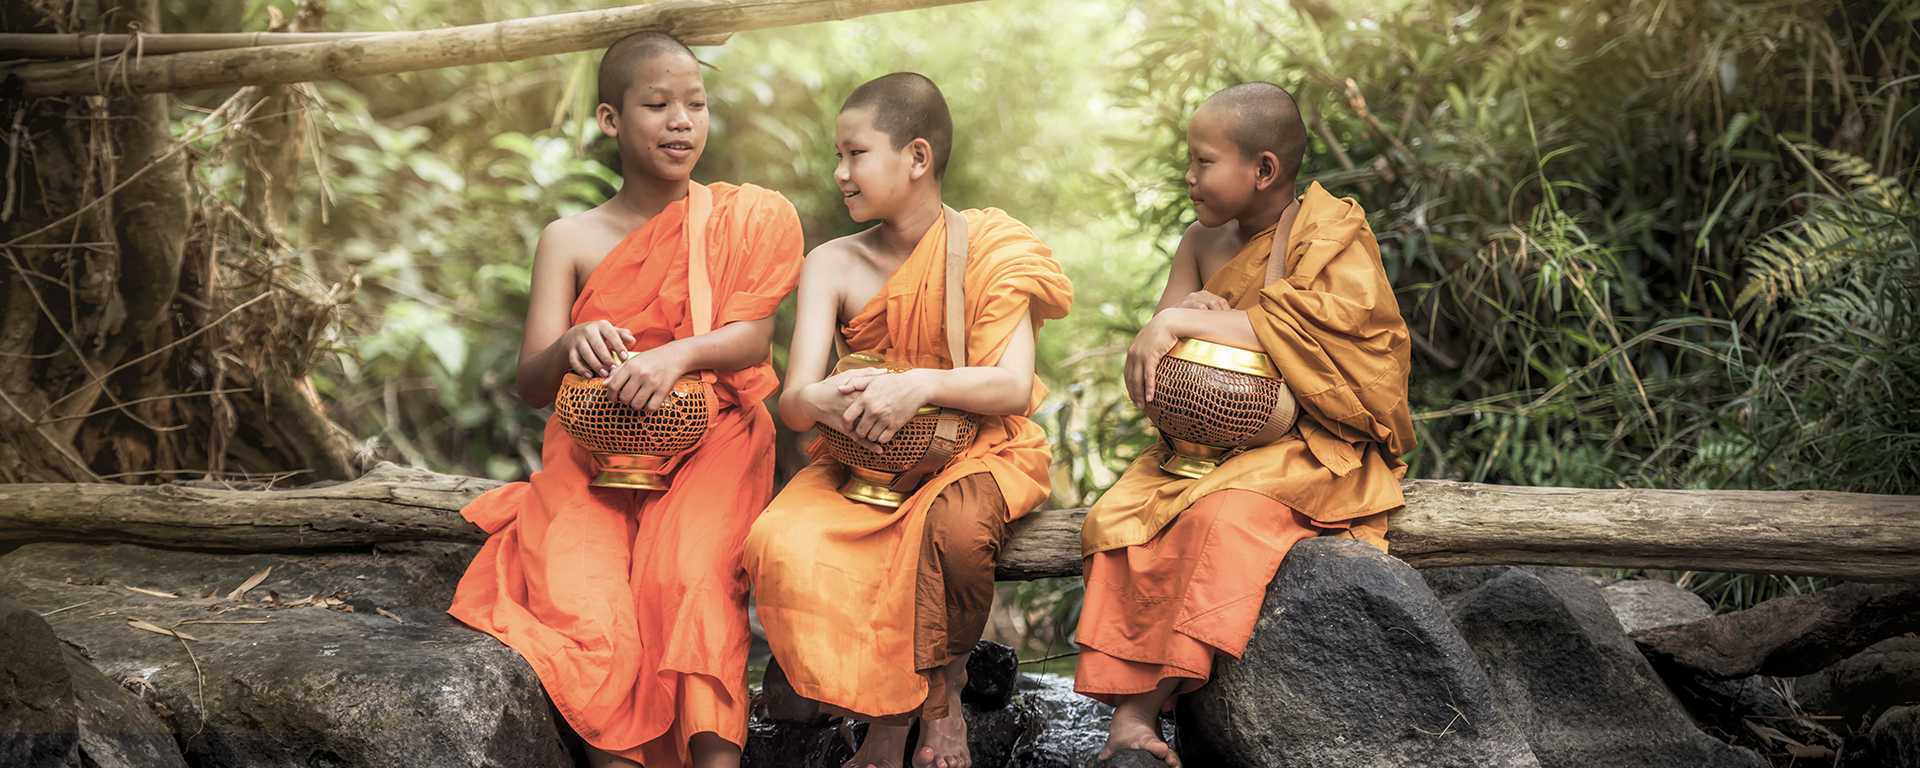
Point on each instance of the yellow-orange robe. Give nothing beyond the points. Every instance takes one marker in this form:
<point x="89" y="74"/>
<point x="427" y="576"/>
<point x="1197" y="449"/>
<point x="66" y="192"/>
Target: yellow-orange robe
<point x="1176" y="568"/>
<point x="834" y="579"/>
<point x="631" y="605"/>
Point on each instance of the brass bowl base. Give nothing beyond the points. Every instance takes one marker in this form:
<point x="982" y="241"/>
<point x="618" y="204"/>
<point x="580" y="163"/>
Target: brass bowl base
<point x="868" y="487"/>
<point x="1191" y="459"/>
<point x="631" y="471"/>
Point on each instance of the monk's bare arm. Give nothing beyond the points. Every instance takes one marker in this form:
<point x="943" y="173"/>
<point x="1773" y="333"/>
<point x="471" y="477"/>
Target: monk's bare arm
<point x="1221" y="326"/>
<point x="551" y="346"/>
<point x="817" y="312"/>
<point x="1003" y="389"/>
<point x="731" y="347"/>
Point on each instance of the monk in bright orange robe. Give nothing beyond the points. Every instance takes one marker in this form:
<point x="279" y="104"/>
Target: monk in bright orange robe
<point x="1177" y="568"/>
<point x="631" y="605"/>
<point x="871" y="611"/>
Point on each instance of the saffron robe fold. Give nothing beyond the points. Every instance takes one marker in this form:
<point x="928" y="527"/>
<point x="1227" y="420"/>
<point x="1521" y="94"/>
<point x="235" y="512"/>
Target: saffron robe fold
<point x="835" y="580"/>
<point x="631" y="605"/>
<point x="1176" y="568"/>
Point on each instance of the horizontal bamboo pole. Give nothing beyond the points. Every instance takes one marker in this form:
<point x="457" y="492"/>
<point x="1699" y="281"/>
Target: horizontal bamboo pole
<point x="428" y="49"/>
<point x="36" y="45"/>
<point x="1851" y="535"/>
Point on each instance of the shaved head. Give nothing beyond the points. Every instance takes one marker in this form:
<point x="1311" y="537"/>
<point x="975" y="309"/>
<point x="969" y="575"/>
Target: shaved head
<point x="908" y="106"/>
<point x="1261" y="117"/>
<point x="618" y="64"/>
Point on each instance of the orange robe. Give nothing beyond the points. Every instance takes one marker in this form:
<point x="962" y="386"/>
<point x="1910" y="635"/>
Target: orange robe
<point x="834" y="579"/>
<point x="631" y="605"/>
<point x="1177" y="568"/>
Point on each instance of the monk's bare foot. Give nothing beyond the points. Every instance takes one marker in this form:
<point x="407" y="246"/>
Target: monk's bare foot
<point x="1132" y="730"/>
<point x="884" y="747"/>
<point x="943" y="742"/>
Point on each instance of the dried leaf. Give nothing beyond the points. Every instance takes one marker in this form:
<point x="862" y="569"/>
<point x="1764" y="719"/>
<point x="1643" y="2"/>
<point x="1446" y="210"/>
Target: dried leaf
<point x="250" y="583"/>
<point x="1810" y="752"/>
<point x="227" y="621"/>
<point x="158" y="630"/>
<point x="154" y="593"/>
<point x="390" y="615"/>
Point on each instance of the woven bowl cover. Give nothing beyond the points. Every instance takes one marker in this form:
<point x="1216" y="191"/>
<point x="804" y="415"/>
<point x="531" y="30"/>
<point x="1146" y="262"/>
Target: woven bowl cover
<point x="908" y="444"/>
<point x="1211" y="406"/>
<point x="602" y="424"/>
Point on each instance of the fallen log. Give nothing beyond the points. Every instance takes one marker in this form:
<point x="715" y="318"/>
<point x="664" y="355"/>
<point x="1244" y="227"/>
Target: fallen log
<point x="428" y="49"/>
<point x="1850" y="535"/>
<point x="1787" y="636"/>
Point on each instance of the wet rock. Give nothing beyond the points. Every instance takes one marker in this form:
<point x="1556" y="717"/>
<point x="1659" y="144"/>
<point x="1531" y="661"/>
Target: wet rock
<point x="292" y="677"/>
<point x="1353" y="662"/>
<point x="1563" y="669"/>
<point x="57" y="710"/>
<point x="1650" y="603"/>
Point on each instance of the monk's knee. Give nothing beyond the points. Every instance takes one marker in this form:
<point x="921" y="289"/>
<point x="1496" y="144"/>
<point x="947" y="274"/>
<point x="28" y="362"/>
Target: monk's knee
<point x="965" y="538"/>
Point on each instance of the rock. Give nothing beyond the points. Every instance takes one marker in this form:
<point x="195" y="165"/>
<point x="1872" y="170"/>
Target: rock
<point x="315" y="684"/>
<point x="994" y="737"/>
<point x="1043" y="725"/>
<point x="1862" y="686"/>
<point x="1649" y="603"/>
<point x="57" y="710"/>
<point x="1073" y="727"/>
<point x="1566" y="673"/>
<point x="1893" y="742"/>
<point x="1447" y="582"/>
<point x="1353" y="662"/>
<point x="992" y="671"/>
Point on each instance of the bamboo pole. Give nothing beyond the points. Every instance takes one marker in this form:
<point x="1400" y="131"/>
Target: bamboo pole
<point x="429" y="49"/>
<point x="1851" y="535"/>
<point x="28" y="45"/>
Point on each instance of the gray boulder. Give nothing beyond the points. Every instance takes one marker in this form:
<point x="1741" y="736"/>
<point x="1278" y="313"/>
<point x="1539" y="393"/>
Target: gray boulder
<point x="1565" y="671"/>
<point x="57" y="710"/>
<point x="1649" y="603"/>
<point x="331" y="660"/>
<point x="1353" y="662"/>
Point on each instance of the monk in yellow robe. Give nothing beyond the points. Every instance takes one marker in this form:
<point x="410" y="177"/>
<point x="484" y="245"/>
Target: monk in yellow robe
<point x="1176" y="568"/>
<point x="631" y="605"/>
<point x="872" y="611"/>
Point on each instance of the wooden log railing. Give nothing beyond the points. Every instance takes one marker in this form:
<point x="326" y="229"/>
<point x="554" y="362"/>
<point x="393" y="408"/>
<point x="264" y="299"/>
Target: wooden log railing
<point x="1850" y="535"/>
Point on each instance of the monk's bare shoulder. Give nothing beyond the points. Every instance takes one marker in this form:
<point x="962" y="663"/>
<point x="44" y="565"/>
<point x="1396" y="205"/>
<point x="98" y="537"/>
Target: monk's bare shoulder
<point x="582" y="239"/>
<point x="1207" y="249"/>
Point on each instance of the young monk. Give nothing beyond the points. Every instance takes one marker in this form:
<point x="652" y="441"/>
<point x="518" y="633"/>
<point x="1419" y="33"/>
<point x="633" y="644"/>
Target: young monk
<point x="872" y="611"/>
<point x="1176" y="568"/>
<point x="631" y="605"/>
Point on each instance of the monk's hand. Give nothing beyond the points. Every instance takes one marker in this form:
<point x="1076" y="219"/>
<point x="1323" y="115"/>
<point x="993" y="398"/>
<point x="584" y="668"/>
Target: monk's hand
<point x="850" y="382"/>
<point x="887" y="402"/>
<point x="1204" y="300"/>
<point x="646" y="379"/>
<point x="827" y="403"/>
<point x="594" y="348"/>
<point x="1143" y="358"/>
